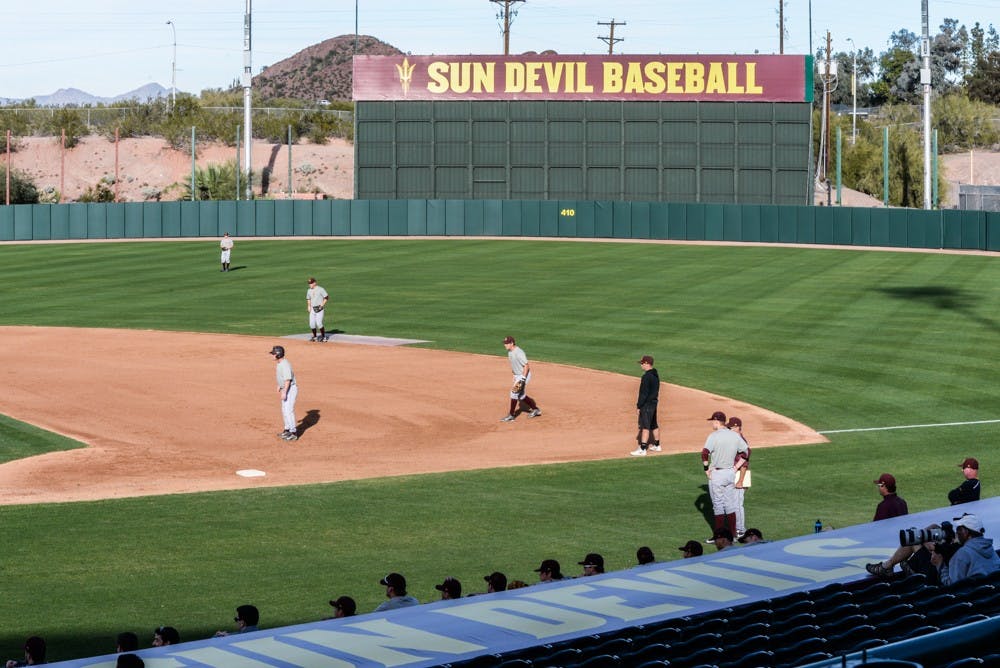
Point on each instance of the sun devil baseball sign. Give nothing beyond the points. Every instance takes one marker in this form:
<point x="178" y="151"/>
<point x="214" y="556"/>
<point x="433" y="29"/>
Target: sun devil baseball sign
<point x="573" y="77"/>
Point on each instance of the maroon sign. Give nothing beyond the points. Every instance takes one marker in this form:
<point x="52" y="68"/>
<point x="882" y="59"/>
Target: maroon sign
<point x="561" y="77"/>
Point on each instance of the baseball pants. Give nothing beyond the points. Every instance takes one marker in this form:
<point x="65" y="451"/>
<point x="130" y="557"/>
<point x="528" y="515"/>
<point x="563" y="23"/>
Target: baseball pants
<point x="288" y="408"/>
<point x="316" y="319"/>
<point x="722" y="490"/>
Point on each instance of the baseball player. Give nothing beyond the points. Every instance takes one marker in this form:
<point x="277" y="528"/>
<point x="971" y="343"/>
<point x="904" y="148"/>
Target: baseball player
<point x="288" y="391"/>
<point x="742" y="477"/>
<point x="316" y="298"/>
<point x="718" y="458"/>
<point x="226" y="244"/>
<point x="645" y="407"/>
<point x="522" y="376"/>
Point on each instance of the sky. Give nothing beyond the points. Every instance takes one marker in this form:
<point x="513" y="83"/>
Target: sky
<point x="109" y="47"/>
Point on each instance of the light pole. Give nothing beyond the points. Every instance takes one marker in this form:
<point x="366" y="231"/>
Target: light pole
<point x="173" y="68"/>
<point x="854" y="92"/>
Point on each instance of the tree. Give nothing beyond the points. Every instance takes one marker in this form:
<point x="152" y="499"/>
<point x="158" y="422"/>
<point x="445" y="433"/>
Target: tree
<point x="215" y="182"/>
<point x="22" y="188"/>
<point x="983" y="84"/>
<point x="963" y="123"/>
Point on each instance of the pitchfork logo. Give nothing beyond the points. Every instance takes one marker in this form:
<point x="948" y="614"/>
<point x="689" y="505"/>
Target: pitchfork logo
<point x="405" y="75"/>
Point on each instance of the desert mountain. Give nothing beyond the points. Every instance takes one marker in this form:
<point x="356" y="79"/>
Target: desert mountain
<point x="319" y="72"/>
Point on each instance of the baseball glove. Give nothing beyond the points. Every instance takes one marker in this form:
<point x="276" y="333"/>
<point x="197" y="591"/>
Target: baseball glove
<point x="317" y="309"/>
<point x="518" y="387"/>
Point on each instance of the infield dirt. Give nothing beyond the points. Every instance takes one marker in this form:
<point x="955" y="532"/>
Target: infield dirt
<point x="166" y="412"/>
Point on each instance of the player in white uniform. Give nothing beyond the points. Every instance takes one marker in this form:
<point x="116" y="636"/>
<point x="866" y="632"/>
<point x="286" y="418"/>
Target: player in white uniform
<point x="288" y="391"/>
<point x="522" y="372"/>
<point x="316" y="298"/>
<point x="226" y="244"/>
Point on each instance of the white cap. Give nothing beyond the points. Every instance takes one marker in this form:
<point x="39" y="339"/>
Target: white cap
<point x="970" y="522"/>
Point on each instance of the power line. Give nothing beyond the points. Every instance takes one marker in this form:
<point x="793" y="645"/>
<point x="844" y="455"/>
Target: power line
<point x="508" y="16"/>
<point x="611" y="39"/>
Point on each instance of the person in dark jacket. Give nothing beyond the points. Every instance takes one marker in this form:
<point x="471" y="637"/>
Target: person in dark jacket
<point x="891" y="504"/>
<point x="645" y="407"/>
<point x="970" y="489"/>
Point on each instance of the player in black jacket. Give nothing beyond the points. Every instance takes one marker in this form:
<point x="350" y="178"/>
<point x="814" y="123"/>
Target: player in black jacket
<point x="649" y="395"/>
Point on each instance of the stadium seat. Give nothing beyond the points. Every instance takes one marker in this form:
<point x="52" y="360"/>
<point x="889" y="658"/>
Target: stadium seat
<point x="967" y="662"/>
<point x="738" y="633"/>
<point x="654" y="664"/>
<point x="794" y="620"/>
<point x="872" y="592"/>
<point x="947" y="616"/>
<point x="697" y="642"/>
<point x="564" y="657"/>
<point x="811" y="658"/>
<point x="897" y="629"/>
<point x="756" y="659"/>
<point x="515" y="663"/>
<point x="886" y="614"/>
<point x="842" y="642"/>
<point x="598" y="661"/>
<point x="750" y="615"/>
<point x="654" y="652"/>
<point x="991" y="661"/>
<point x="748" y="645"/>
<point x="833" y="599"/>
<point x="698" y="625"/>
<point x="843" y="625"/>
<point x="616" y="646"/>
<point x="484" y="661"/>
<point x="868" y="644"/>
<point x="790" y="652"/>
<point x="706" y="656"/>
<point x="663" y="634"/>
<point x="831" y="615"/>
<point x="784" y="610"/>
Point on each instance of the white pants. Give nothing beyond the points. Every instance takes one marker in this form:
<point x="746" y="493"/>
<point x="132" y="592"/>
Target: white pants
<point x="316" y="319"/>
<point x="514" y="395"/>
<point x="722" y="489"/>
<point x="288" y="408"/>
<point x="741" y="516"/>
<point x="225" y="256"/>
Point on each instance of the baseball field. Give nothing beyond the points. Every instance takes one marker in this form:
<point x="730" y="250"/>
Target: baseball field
<point x="891" y="356"/>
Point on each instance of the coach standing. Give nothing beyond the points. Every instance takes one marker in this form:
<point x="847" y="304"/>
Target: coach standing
<point x="649" y="397"/>
<point x="718" y="458"/>
<point x="288" y="391"/>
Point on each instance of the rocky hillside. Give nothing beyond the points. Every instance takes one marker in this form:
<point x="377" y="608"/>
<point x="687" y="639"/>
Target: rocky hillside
<point x="319" y="72"/>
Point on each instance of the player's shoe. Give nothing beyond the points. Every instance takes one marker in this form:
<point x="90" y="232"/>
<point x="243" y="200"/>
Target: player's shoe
<point x="535" y="413"/>
<point x="291" y="436"/>
<point x="655" y="448"/>
<point x="284" y="433"/>
<point x="507" y="418"/>
<point x="323" y="339"/>
<point x="312" y="338"/>
<point x="878" y="570"/>
<point x="638" y="452"/>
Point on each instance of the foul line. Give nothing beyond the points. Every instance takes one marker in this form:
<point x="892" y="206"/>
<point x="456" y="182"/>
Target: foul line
<point x="909" y="426"/>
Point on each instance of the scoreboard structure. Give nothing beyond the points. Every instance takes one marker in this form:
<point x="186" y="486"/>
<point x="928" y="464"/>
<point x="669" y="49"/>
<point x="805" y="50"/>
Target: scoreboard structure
<point x="704" y="128"/>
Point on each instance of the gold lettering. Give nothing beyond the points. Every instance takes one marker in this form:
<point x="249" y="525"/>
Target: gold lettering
<point x="532" y="75"/>
<point x="734" y="86"/>
<point x="752" y="86"/>
<point x="694" y="78"/>
<point x="581" y="77"/>
<point x="514" y="77"/>
<point x="674" y="77"/>
<point x="716" y="81"/>
<point x="483" y="77"/>
<point x="613" y="77"/>
<point x="438" y="78"/>
<point x="654" y="72"/>
<point x="553" y="75"/>
<point x="633" y="79"/>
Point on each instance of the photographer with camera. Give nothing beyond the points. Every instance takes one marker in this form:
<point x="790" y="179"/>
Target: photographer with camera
<point x="976" y="556"/>
<point x="915" y="551"/>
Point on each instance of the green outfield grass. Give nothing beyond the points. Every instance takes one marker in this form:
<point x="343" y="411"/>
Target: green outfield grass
<point x="837" y="339"/>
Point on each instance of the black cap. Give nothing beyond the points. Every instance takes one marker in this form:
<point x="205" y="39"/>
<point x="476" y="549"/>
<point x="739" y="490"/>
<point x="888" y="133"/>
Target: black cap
<point x="644" y="555"/>
<point x="394" y="580"/>
<point x="497" y="580"/>
<point x="452" y="586"/>
<point x="345" y="604"/>
<point x="549" y="566"/>
<point x="592" y="559"/>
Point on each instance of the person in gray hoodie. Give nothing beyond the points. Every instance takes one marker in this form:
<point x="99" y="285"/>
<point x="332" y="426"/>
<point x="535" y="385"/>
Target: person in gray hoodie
<point x="975" y="558"/>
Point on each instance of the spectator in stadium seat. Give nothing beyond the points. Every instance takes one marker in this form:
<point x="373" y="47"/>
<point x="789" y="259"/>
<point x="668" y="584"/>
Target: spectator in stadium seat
<point x="911" y="559"/>
<point x="34" y="653"/>
<point x="691" y="549"/>
<point x="343" y="606"/>
<point x="247" y="617"/>
<point x="976" y="557"/>
<point x="593" y="564"/>
<point x="970" y="489"/>
<point x="891" y="504"/>
<point x="495" y="581"/>
<point x="450" y="589"/>
<point x="166" y="635"/>
<point x="752" y="536"/>
<point x="723" y="538"/>
<point x="126" y="642"/>
<point x="395" y="591"/>
<point x="644" y="555"/>
<point x="549" y="571"/>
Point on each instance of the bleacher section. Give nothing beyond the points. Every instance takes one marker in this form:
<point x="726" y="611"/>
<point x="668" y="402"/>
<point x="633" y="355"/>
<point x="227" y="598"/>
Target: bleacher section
<point x="795" y="630"/>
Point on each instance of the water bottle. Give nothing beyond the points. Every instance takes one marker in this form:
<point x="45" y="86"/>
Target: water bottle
<point x="817" y="527"/>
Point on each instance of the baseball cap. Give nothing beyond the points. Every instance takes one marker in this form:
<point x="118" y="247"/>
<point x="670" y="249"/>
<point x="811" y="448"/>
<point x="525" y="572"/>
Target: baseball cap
<point x="723" y="532"/>
<point x="887" y="480"/>
<point x="970" y="462"/>
<point x="550" y="566"/>
<point x="497" y="579"/>
<point x="646" y="359"/>
<point x="394" y="580"/>
<point x="718" y="415"/>
<point x="692" y="546"/>
<point x="311" y="280"/>
<point x="592" y="559"/>
<point x="508" y="339"/>
<point x="452" y="586"/>
<point x="751" y="532"/>
<point x="734" y="422"/>
<point x="345" y="604"/>
<point x="970" y="522"/>
<point x="644" y="555"/>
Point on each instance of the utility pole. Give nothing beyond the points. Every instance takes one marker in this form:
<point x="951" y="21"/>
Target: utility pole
<point x="507" y="15"/>
<point x="247" y="80"/>
<point x="925" y="81"/>
<point x="611" y="39"/>
<point x="828" y="88"/>
<point x="781" y="26"/>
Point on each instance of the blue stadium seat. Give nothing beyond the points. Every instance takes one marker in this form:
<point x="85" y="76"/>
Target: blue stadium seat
<point x="947" y="616"/>
<point x="833" y="599"/>
<point x="967" y="662"/>
<point x="756" y="659"/>
<point x="843" y="642"/>
<point x="598" y="661"/>
<point x="484" y="661"/>
<point x="788" y="653"/>
<point x="843" y="625"/>
<point x="897" y="629"/>
<point x="886" y="614"/>
<point x="794" y="620"/>
<point x="708" y="655"/>
<point x="874" y="591"/>
<point x="654" y="664"/>
<point x="563" y="657"/>
<point x="616" y="646"/>
<point x="793" y="635"/>
<point x="750" y="615"/>
<point x="698" y="642"/>
<point x="826" y="616"/>
<point x="811" y="658"/>
<point x="654" y="652"/>
<point x="515" y="663"/>
<point x="738" y="633"/>
<point x="663" y="634"/>
<point x="748" y="645"/>
<point x="868" y="644"/>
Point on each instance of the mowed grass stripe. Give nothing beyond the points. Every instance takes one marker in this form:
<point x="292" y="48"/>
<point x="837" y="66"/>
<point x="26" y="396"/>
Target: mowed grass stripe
<point x="837" y="339"/>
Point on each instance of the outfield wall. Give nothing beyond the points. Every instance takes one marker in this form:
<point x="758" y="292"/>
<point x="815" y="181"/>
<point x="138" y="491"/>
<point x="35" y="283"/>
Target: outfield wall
<point x="892" y="228"/>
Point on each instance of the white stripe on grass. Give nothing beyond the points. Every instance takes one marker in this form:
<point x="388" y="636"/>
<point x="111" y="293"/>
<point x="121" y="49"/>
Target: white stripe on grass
<point x="909" y="426"/>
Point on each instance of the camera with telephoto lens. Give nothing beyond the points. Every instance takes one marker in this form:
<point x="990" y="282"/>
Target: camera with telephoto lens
<point x="943" y="538"/>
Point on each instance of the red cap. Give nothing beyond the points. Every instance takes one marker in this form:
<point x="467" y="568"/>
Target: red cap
<point x="718" y="415"/>
<point x="970" y="463"/>
<point x="646" y="359"/>
<point x="887" y="480"/>
<point x="734" y="422"/>
<point x="508" y="339"/>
